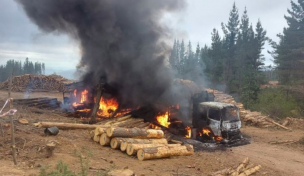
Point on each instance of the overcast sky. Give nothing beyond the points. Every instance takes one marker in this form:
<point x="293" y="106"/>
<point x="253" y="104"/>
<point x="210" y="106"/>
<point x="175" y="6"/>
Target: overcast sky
<point x="20" y="38"/>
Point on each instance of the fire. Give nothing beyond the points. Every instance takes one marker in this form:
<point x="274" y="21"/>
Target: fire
<point x="188" y="130"/>
<point x="163" y="119"/>
<point x="218" y="138"/>
<point x="75" y="93"/>
<point x="207" y="132"/>
<point x="107" y="107"/>
<point x="84" y="96"/>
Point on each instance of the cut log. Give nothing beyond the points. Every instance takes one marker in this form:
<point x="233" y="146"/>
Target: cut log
<point x="96" y="138"/>
<point x="134" y="132"/>
<point x="115" y="143"/>
<point x="66" y="126"/>
<point x="104" y="140"/>
<point x="126" y="141"/>
<point x="164" y="152"/>
<point x="242" y="166"/>
<point x="133" y="148"/>
<point x="277" y="124"/>
<point x="120" y="119"/>
<point x="130" y="122"/>
<point x="250" y="171"/>
<point x="49" y="149"/>
<point x="121" y="123"/>
<point x="144" y="125"/>
<point x="100" y="130"/>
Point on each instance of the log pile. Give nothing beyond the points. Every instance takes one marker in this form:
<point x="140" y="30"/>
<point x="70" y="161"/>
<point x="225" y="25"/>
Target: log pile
<point x="243" y="169"/>
<point x="37" y="83"/>
<point x="41" y="103"/>
<point x="134" y="137"/>
<point x="248" y="117"/>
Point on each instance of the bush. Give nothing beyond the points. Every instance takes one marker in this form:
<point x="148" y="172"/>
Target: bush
<point x="61" y="170"/>
<point x="277" y="103"/>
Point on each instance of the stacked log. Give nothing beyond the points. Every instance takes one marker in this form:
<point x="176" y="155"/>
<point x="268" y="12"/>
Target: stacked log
<point x="164" y="152"/>
<point x="248" y="117"/>
<point x="41" y="103"/>
<point x="38" y="83"/>
<point x="243" y="169"/>
<point x="137" y="138"/>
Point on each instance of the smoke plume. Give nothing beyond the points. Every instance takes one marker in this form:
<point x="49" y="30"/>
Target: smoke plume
<point x="121" y="40"/>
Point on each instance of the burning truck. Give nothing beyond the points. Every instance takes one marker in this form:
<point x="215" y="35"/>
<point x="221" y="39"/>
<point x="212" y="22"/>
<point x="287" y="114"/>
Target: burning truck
<point x="194" y="116"/>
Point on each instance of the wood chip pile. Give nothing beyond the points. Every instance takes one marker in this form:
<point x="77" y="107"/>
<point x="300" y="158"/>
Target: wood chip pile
<point x="134" y="137"/>
<point x="38" y="83"/>
<point x="243" y="169"/>
<point x="248" y="117"/>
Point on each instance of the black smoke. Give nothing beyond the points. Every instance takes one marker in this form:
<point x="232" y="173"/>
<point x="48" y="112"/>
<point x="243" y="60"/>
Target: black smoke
<point x="120" y="40"/>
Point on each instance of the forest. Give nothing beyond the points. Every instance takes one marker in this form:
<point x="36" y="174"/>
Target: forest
<point x="17" y="68"/>
<point x="234" y="62"/>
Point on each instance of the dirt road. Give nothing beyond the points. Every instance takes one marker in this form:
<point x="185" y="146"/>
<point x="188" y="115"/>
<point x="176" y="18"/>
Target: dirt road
<point x="276" y="159"/>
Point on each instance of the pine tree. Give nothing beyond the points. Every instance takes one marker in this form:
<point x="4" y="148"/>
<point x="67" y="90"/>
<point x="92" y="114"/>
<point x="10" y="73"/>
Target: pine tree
<point x="215" y="59"/>
<point x="197" y="53"/>
<point x="182" y="57"/>
<point x="288" y="53"/>
<point x="231" y="31"/>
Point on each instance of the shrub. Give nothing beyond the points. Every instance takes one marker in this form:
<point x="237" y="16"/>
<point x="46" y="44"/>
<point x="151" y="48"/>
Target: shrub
<point x="277" y="103"/>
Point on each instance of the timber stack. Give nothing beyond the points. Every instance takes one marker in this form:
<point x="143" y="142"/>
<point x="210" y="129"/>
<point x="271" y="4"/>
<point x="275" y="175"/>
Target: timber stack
<point x="248" y="117"/>
<point x="37" y="83"/>
<point x="41" y="103"/>
<point x="133" y="136"/>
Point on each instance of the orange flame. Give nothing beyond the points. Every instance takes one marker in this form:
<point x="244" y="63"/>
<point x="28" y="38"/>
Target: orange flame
<point x="75" y="92"/>
<point x="218" y="138"/>
<point x="188" y="130"/>
<point x="84" y="96"/>
<point x="206" y="131"/>
<point x="107" y="107"/>
<point x="163" y="119"/>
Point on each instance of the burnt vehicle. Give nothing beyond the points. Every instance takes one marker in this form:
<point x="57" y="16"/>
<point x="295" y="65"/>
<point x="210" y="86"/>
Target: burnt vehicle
<point x="216" y="121"/>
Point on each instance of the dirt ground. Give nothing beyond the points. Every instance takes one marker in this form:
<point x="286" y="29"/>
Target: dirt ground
<point x="276" y="159"/>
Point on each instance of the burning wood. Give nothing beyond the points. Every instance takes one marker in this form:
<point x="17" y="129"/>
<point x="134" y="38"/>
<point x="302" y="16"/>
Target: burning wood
<point x="107" y="107"/>
<point x="163" y="119"/>
<point x="188" y="130"/>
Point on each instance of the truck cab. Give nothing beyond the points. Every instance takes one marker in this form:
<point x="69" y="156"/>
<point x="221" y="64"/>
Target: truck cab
<point x="222" y="119"/>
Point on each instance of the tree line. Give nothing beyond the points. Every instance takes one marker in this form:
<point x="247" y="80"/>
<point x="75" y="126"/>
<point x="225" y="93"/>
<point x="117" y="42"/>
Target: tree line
<point x="232" y="63"/>
<point x="28" y="67"/>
